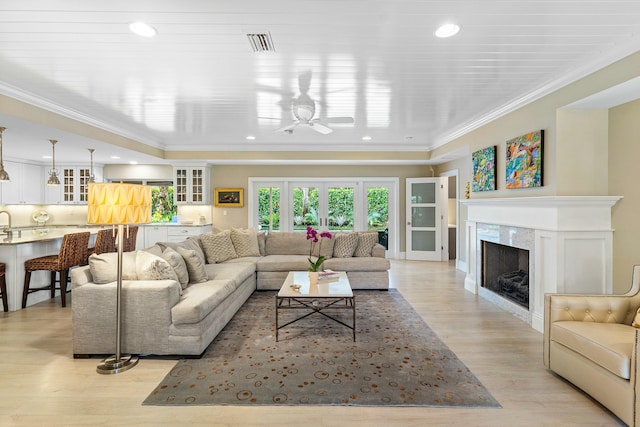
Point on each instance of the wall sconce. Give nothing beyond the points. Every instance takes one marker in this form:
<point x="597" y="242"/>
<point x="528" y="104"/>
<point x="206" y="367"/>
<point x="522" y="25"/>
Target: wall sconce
<point x="53" y="174"/>
<point x="4" y="176"/>
<point x="92" y="177"/>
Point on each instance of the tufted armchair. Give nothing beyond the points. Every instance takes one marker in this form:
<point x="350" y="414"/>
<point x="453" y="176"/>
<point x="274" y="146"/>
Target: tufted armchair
<point x="589" y="340"/>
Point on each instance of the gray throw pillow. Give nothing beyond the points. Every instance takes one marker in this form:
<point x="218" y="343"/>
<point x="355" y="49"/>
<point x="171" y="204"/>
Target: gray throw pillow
<point x="178" y="264"/>
<point x="195" y="265"/>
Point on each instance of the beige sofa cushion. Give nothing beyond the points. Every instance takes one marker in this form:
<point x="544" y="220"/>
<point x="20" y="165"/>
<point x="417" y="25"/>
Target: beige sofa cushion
<point x="199" y="299"/>
<point x="287" y="243"/>
<point x="245" y="242"/>
<point x="218" y="247"/>
<point x="357" y="264"/>
<point x="283" y="263"/>
<point x="606" y="344"/>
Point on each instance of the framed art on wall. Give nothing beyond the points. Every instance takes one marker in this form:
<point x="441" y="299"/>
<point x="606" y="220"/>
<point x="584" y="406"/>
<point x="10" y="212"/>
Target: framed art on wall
<point x="229" y="197"/>
<point x="484" y="169"/>
<point x="524" y="161"/>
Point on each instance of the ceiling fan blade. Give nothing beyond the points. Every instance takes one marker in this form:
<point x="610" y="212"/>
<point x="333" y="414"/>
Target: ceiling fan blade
<point x="320" y="127"/>
<point x="288" y="127"/>
<point x="339" y="120"/>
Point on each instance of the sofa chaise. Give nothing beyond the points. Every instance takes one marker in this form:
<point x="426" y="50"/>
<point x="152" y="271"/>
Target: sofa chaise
<point x="176" y="297"/>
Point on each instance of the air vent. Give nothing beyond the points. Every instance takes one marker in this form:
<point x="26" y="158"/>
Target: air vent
<point x="261" y="42"/>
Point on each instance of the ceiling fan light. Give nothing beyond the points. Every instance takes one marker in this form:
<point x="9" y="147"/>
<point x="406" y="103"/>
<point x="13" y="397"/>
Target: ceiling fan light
<point x="447" y="30"/>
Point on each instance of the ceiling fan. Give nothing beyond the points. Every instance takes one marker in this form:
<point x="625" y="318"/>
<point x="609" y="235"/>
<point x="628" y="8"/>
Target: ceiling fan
<point x="303" y="109"/>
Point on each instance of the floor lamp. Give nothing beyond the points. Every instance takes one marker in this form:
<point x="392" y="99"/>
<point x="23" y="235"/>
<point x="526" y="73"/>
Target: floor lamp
<point x="118" y="204"/>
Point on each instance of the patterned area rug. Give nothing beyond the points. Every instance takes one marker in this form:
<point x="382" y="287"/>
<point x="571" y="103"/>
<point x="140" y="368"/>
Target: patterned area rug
<point x="397" y="360"/>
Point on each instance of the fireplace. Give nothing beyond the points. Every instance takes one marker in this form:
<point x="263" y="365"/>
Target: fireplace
<point x="505" y="271"/>
<point x="569" y="240"/>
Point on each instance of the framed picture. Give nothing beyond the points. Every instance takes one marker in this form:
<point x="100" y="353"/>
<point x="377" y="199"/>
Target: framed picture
<point x="524" y="161"/>
<point x="484" y="169"/>
<point x="229" y="197"/>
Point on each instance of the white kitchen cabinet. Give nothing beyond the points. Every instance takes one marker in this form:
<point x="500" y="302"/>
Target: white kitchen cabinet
<point x="191" y="185"/>
<point x="26" y="186"/>
<point x="74" y="183"/>
<point x="153" y="234"/>
<point x="172" y="233"/>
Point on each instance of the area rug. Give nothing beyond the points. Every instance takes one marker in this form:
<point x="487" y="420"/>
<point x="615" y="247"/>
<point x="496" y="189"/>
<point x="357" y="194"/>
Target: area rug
<point x="397" y="360"/>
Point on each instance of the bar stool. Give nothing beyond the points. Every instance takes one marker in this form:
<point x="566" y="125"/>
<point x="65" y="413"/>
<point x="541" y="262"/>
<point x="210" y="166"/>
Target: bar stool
<point x="73" y="252"/>
<point x="3" y="287"/>
<point x="105" y="242"/>
<point x="129" y="238"/>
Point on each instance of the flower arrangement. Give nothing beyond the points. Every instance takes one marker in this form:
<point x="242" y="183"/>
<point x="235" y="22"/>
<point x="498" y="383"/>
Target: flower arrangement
<point x="312" y="235"/>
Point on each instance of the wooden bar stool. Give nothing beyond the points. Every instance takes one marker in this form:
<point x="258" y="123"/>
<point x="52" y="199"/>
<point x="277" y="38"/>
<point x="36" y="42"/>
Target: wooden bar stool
<point x="105" y="242"/>
<point x="129" y="238"/>
<point x="73" y="252"/>
<point x="3" y="287"/>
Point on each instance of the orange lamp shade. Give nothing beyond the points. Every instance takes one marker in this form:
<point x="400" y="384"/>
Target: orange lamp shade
<point x="119" y="203"/>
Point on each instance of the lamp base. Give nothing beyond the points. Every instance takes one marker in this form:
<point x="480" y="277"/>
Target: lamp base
<point x="113" y="365"/>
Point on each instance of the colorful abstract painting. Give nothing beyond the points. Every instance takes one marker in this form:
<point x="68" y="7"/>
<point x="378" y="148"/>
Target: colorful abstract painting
<point x="524" y="161"/>
<point x="484" y="169"/>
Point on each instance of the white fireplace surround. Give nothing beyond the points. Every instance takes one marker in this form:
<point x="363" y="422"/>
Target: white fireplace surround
<point x="569" y="238"/>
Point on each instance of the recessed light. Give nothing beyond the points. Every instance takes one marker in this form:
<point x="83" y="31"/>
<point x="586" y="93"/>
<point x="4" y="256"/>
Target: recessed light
<point x="133" y="162"/>
<point x="115" y="157"/>
<point x="46" y="156"/>
<point x="142" y="29"/>
<point x="447" y="30"/>
<point x="366" y="138"/>
<point x="250" y="137"/>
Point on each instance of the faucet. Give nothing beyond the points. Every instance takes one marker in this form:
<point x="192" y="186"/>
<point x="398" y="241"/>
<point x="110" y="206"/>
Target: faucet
<point x="7" y="229"/>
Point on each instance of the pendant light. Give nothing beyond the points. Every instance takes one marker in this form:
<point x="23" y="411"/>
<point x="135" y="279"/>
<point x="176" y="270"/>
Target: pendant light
<point x="92" y="177"/>
<point x="4" y="176"/>
<point x="53" y="174"/>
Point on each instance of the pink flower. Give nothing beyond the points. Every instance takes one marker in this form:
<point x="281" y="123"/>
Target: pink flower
<point x="313" y="236"/>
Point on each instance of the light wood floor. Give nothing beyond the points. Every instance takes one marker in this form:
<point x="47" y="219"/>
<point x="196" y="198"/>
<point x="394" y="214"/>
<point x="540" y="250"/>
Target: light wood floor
<point x="41" y="383"/>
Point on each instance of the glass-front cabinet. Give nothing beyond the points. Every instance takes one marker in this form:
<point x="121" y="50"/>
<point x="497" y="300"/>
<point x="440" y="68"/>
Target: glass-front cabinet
<point x="191" y="185"/>
<point x="74" y="185"/>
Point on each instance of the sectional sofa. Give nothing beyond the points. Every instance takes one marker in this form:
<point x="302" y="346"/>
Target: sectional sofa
<point x="176" y="297"/>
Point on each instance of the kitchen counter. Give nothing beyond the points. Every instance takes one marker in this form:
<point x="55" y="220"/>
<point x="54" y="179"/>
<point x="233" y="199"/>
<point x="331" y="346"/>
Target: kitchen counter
<point x="31" y="235"/>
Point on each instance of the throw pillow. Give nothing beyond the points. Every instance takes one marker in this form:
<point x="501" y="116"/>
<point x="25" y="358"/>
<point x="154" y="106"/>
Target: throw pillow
<point x="155" y="249"/>
<point x="195" y="265"/>
<point x="218" y="247"/>
<point x="262" y="241"/>
<point x="176" y="262"/>
<point x="245" y="242"/>
<point x="151" y="267"/>
<point x="636" y="320"/>
<point x="345" y="245"/>
<point x="104" y="267"/>
<point x="366" y="242"/>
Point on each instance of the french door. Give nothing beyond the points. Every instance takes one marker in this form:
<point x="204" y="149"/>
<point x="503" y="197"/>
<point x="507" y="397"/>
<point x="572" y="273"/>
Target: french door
<point x="324" y="205"/>
<point x="426" y="211"/>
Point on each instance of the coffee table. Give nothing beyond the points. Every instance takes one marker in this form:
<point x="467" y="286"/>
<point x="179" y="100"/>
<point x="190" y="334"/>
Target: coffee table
<point x="328" y="293"/>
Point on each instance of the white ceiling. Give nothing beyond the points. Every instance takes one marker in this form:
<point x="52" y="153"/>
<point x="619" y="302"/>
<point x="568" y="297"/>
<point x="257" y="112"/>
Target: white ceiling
<point x="198" y="86"/>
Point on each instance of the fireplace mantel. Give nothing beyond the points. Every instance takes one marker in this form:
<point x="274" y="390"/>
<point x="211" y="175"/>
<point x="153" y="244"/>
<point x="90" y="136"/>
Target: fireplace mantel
<point x="571" y="249"/>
